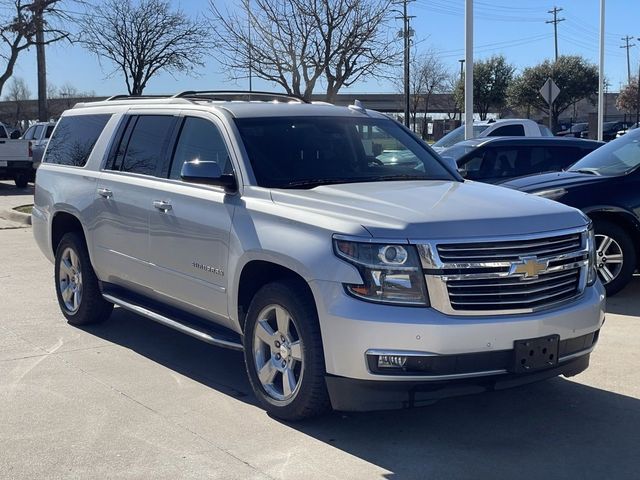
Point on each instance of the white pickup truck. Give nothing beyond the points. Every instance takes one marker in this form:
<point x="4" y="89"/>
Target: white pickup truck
<point x="16" y="159"/>
<point x="512" y="127"/>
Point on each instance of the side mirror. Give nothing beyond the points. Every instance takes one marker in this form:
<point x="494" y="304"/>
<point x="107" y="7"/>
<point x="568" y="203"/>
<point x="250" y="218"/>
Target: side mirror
<point x="15" y="134"/>
<point x="451" y="162"/>
<point x="207" y="173"/>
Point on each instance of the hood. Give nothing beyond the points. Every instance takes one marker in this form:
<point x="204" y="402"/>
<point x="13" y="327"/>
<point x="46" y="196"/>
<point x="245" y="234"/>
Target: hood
<point x="536" y="183"/>
<point x="433" y="209"/>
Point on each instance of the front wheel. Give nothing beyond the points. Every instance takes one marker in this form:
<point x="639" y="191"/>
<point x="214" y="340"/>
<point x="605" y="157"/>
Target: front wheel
<point x="283" y="352"/>
<point x="615" y="256"/>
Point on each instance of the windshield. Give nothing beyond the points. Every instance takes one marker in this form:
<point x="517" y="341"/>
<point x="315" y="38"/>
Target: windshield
<point x="615" y="158"/>
<point x="457" y="135"/>
<point x="457" y="151"/>
<point x="303" y="152"/>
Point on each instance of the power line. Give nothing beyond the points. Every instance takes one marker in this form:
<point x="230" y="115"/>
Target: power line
<point x="555" y="22"/>
<point x="628" y="45"/>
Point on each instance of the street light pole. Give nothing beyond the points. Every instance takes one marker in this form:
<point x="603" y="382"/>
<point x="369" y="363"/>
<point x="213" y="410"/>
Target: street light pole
<point x="601" y="74"/>
<point x="468" y="74"/>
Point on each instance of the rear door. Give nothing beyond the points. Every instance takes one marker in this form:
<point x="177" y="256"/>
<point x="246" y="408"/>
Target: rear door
<point x="124" y="196"/>
<point x="189" y="235"/>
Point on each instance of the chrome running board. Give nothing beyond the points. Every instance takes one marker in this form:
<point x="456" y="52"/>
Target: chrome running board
<point x="190" y="329"/>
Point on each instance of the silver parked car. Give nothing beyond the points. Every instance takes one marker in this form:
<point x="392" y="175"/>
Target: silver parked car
<point x="281" y="228"/>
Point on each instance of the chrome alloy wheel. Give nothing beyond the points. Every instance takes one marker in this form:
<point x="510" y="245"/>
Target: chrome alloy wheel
<point x="609" y="259"/>
<point x="277" y="353"/>
<point x="70" y="280"/>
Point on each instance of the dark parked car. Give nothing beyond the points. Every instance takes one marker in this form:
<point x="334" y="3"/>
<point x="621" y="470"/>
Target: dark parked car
<point x="606" y="186"/>
<point x="576" y="130"/>
<point x="499" y="159"/>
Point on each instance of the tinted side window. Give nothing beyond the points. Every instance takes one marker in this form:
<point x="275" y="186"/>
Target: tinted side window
<point x="497" y="163"/>
<point x="147" y="144"/>
<point x="38" y="132"/>
<point x="28" y="135"/>
<point x="74" y="139"/>
<point x="508" y="131"/>
<point x="199" y="139"/>
<point x="49" y="131"/>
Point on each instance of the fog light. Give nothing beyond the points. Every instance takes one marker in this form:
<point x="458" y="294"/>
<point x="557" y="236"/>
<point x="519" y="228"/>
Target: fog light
<point x="391" y="361"/>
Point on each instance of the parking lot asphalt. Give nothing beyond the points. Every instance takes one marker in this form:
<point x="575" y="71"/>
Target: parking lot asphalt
<point x="133" y="399"/>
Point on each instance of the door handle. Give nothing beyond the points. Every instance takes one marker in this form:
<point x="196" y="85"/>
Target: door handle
<point x="162" y="205"/>
<point x="105" y="192"/>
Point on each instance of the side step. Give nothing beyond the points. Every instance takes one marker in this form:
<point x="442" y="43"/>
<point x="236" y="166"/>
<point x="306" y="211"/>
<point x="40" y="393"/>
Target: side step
<point x="196" y="330"/>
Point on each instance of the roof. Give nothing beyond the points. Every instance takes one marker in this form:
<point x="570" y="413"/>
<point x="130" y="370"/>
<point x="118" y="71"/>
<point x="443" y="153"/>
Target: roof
<point x="478" y="142"/>
<point x="238" y="104"/>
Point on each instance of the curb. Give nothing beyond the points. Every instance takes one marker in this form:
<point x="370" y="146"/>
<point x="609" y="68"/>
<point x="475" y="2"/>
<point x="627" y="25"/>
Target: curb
<point x="14" y="216"/>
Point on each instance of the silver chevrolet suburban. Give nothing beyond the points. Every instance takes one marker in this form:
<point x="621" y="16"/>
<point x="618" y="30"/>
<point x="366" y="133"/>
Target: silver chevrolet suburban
<point x="349" y="276"/>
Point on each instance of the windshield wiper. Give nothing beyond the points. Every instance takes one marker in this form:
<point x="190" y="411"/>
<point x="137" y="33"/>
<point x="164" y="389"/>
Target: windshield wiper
<point x="591" y="171"/>
<point x="317" y="182"/>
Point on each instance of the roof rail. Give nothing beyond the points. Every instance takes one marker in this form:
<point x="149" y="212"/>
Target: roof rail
<point x="135" y="97"/>
<point x="228" y="95"/>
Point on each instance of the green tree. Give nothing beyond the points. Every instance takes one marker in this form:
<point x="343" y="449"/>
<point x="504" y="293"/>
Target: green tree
<point x="574" y="75"/>
<point x="627" y="100"/>
<point x="491" y="80"/>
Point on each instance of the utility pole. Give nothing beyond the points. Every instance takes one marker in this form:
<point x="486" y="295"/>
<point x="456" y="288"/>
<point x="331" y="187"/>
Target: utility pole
<point x="38" y="13"/>
<point x="406" y="36"/>
<point x="461" y="80"/>
<point x="628" y="45"/>
<point x="555" y="22"/>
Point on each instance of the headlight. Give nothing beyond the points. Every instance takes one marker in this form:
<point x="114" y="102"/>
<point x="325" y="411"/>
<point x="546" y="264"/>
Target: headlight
<point x="391" y="273"/>
<point x="551" y="194"/>
<point x="592" y="272"/>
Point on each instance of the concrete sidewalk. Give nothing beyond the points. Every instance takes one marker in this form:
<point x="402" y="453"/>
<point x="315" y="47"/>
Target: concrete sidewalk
<point x="11" y="197"/>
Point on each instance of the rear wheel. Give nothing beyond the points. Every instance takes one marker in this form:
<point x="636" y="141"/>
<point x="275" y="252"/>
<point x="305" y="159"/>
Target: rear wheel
<point x="615" y="256"/>
<point x="21" y="180"/>
<point x="77" y="287"/>
<point x="283" y="352"/>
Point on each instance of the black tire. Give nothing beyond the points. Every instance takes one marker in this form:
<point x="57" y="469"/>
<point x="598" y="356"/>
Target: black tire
<point x="629" y="263"/>
<point x="311" y="397"/>
<point x="21" y="180"/>
<point x="91" y="307"/>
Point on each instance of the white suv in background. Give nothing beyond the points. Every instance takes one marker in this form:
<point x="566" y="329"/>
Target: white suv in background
<point x="262" y="223"/>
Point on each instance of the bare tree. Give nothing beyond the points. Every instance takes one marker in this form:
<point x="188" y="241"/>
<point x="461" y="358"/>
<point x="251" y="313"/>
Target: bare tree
<point x="18" y="25"/>
<point x="18" y="93"/>
<point x="143" y="38"/>
<point x="428" y="75"/>
<point x="298" y="44"/>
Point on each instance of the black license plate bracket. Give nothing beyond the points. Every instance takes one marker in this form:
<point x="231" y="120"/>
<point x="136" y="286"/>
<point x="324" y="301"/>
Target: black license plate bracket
<point x="535" y="354"/>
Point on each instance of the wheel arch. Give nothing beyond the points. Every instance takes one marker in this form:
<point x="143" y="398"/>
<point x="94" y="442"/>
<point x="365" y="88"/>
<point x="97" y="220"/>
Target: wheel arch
<point x="625" y="219"/>
<point x="256" y="273"/>
<point x="62" y="223"/>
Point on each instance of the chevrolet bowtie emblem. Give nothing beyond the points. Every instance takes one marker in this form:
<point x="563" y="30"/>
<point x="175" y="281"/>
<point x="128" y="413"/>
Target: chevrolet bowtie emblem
<point x="529" y="267"/>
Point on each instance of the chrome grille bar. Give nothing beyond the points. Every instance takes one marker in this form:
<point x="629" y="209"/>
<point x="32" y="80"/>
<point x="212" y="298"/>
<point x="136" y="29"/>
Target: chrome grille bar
<point x="487" y="276"/>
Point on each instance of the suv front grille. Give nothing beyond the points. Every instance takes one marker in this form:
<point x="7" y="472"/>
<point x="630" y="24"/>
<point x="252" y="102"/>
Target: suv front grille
<point x="505" y="276"/>
<point x="489" y="252"/>
<point x="513" y="293"/>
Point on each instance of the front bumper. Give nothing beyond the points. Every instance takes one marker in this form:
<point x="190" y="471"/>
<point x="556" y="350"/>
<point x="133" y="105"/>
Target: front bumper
<point x="349" y="394"/>
<point x="351" y="327"/>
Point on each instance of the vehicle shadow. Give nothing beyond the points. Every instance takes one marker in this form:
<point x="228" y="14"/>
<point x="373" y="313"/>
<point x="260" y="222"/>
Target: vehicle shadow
<point x="626" y="302"/>
<point x="553" y="429"/>
<point x="8" y="188"/>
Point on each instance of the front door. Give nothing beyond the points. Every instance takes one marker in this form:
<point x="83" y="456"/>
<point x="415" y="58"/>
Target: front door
<point x="190" y="225"/>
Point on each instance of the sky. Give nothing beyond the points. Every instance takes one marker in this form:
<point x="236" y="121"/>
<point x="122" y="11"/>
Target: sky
<point x="515" y="28"/>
